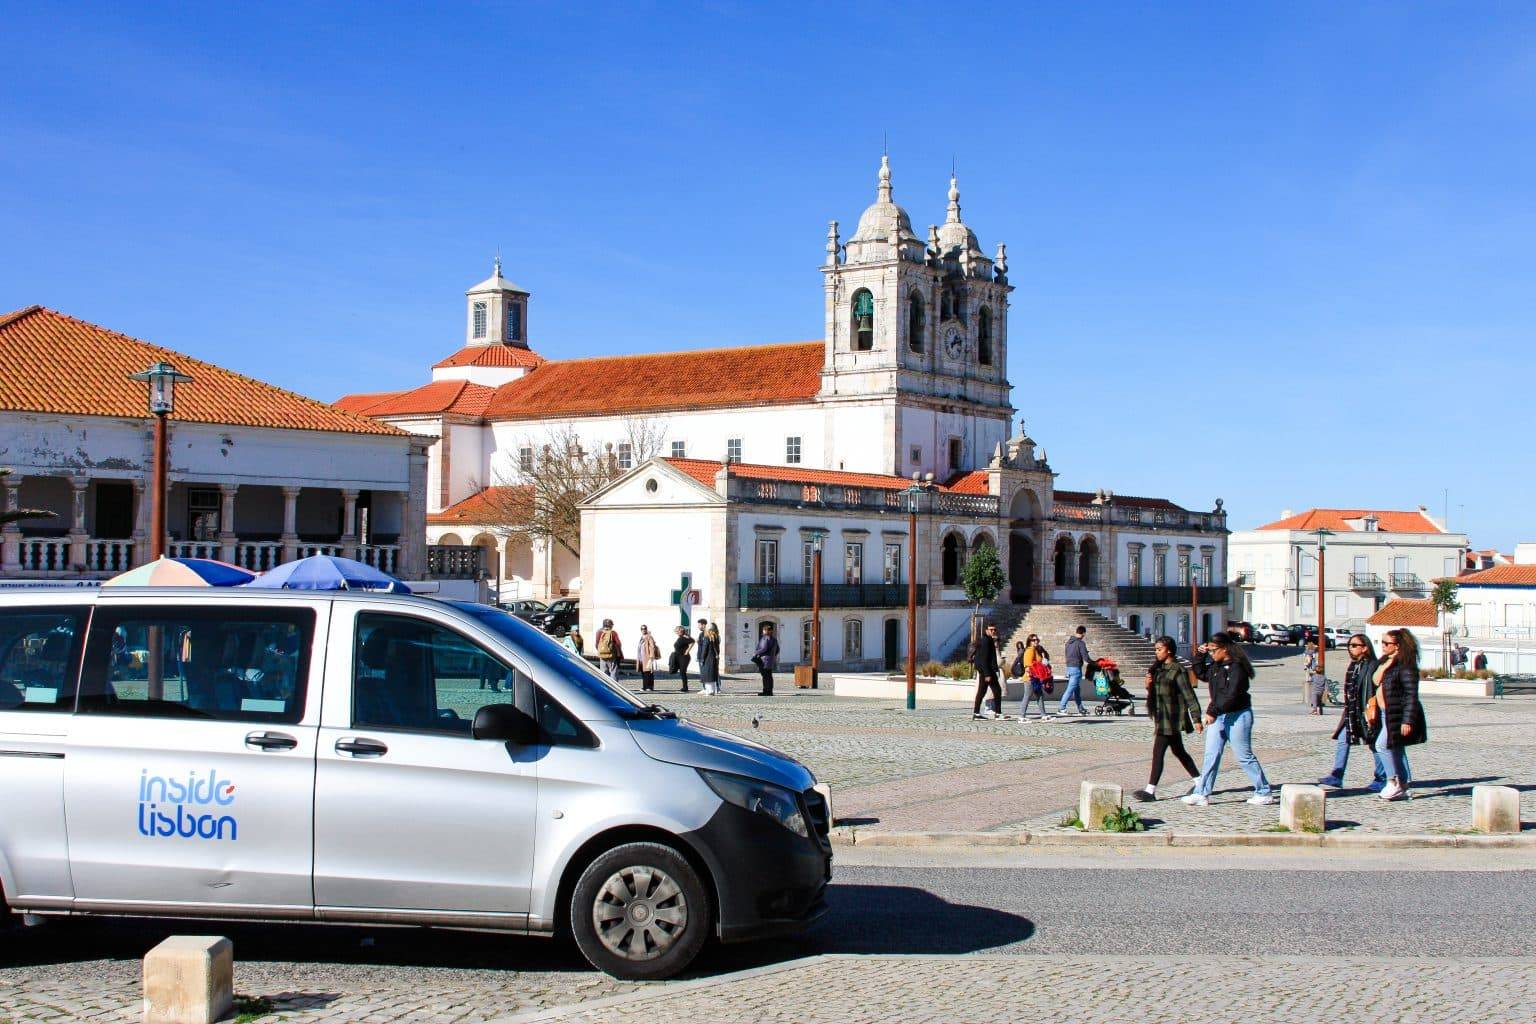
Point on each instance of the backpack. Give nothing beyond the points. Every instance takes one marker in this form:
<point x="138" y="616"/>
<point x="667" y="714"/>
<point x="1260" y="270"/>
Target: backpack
<point x="605" y="644"/>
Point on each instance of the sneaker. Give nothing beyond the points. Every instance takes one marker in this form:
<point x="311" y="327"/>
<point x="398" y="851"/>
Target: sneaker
<point x="978" y="717"/>
<point x="1195" y="800"/>
<point x="1144" y="796"/>
<point x="1392" y="791"/>
<point x="1329" y="782"/>
<point x="1259" y="801"/>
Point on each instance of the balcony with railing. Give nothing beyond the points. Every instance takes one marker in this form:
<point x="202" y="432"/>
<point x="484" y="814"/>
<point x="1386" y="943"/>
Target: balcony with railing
<point x="1169" y="596"/>
<point x="1406" y="582"/>
<point x="1365" y="581"/>
<point x="844" y="497"/>
<point x="1246" y="578"/>
<point x="833" y="595"/>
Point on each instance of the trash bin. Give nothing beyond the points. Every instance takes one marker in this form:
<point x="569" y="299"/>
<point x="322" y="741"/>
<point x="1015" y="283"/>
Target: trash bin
<point x="805" y="677"/>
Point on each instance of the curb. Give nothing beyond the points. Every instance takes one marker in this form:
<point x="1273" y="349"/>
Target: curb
<point x="847" y="836"/>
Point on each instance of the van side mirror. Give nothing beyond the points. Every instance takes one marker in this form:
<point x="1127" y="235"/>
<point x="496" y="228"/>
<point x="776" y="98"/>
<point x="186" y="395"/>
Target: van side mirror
<point x="505" y="722"/>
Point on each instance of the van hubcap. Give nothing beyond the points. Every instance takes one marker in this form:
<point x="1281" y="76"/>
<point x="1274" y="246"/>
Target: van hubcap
<point x="639" y="912"/>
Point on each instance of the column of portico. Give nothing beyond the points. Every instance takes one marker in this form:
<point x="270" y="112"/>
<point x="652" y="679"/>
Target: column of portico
<point x="10" y="536"/>
<point x="348" y="539"/>
<point x="228" y="535"/>
<point x="291" y="523"/>
<point x="77" y="535"/>
<point x="140" y="535"/>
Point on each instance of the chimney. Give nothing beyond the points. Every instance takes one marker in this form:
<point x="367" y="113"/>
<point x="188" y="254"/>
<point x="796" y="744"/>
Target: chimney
<point x="1286" y="513"/>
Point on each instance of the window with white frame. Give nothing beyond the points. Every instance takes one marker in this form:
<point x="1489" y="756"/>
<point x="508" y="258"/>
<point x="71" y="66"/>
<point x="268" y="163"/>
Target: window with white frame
<point x="892" y="572"/>
<point x="626" y="455"/>
<point x="1160" y="570"/>
<point x="1309" y="604"/>
<point x="1183" y="569"/>
<point x="853" y="562"/>
<point x="525" y="459"/>
<point x="1308" y="565"/>
<point x="733" y="449"/>
<point x="1341" y="605"/>
<point x="1448" y="568"/>
<point x="853" y="639"/>
<point x="1183" y="636"/>
<point x="479" y="317"/>
<point x="805" y="641"/>
<point x="767" y="560"/>
<point x="792" y="450"/>
<point x="679" y="450"/>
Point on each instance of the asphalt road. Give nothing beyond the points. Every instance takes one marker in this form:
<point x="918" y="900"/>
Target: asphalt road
<point x="1450" y="905"/>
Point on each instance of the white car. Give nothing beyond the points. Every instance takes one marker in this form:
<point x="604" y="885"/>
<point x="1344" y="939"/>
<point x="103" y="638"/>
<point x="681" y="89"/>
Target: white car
<point x="356" y="757"/>
<point x="1339" y="635"/>
<point x="1272" y="632"/>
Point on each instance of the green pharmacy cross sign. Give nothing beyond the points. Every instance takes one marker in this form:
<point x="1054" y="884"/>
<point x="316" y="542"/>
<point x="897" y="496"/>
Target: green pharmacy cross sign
<point x="684" y="598"/>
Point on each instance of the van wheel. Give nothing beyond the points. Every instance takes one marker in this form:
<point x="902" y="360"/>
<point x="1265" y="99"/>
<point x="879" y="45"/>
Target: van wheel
<point x="640" y="912"/>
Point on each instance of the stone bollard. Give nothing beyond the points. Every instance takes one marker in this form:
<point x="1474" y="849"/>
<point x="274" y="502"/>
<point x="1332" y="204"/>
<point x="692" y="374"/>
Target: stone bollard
<point x="1496" y="809"/>
<point x="1303" y="808"/>
<point x="189" y="979"/>
<point x="826" y="794"/>
<point x="1094" y="801"/>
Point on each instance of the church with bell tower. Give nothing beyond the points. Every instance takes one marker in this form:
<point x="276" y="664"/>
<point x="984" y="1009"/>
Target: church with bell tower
<point x="923" y="325"/>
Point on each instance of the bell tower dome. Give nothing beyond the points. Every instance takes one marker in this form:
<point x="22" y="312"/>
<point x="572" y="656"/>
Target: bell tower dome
<point x="496" y="312"/>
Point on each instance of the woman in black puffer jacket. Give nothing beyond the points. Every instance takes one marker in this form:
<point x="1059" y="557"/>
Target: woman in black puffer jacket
<point x="1395" y="714"/>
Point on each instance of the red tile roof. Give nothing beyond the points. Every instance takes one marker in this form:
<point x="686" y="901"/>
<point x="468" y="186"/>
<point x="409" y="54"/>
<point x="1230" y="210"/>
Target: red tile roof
<point x="704" y="470"/>
<point x="1406" y="611"/>
<point x="1123" y="500"/>
<point x="492" y="355"/>
<point x="707" y="379"/>
<point x="57" y="364"/>
<point x="977" y="481"/>
<point x="504" y="504"/>
<point x="434" y="399"/>
<point x="1388" y="520"/>
<point x="1501" y="575"/>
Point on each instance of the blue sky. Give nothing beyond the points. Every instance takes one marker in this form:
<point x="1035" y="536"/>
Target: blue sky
<point x="1243" y="236"/>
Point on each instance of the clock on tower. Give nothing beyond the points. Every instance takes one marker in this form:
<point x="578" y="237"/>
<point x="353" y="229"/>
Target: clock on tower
<point x="954" y="342"/>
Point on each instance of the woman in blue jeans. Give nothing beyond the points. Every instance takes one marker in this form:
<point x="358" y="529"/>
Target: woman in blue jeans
<point x="1395" y="711"/>
<point x="1225" y="669"/>
<point x="1353" y="730"/>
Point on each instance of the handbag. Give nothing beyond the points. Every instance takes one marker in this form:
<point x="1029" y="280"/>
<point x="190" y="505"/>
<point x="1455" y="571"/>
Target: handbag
<point x="1017" y="669"/>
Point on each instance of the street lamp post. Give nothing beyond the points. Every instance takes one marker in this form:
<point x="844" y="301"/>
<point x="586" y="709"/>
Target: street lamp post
<point x="162" y="379"/>
<point x="817" y="538"/>
<point x="1323" y="533"/>
<point x="916" y="494"/>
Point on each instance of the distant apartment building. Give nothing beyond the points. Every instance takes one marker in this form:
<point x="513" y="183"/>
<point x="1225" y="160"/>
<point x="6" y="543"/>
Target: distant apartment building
<point x="1369" y="556"/>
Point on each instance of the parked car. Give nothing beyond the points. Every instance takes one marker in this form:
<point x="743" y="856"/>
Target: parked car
<point x="1298" y="633"/>
<point x="1271" y="633"/>
<point x="1309" y="636"/>
<point x="1338" y="636"/>
<point x="525" y="608"/>
<point x="558" y="618"/>
<point x="370" y="758"/>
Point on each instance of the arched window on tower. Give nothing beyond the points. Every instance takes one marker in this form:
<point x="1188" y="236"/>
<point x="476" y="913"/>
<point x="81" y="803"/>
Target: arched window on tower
<point x="984" y="336"/>
<point x="915" y="320"/>
<point x="946" y="304"/>
<point x="863" y="320"/>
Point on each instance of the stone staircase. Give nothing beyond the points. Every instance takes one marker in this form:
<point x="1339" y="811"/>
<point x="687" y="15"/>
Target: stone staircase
<point x="1055" y="623"/>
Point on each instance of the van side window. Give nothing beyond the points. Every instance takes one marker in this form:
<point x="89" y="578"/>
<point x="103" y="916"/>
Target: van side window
<point x="39" y="655"/>
<point x="558" y="727"/>
<point x="231" y="664"/>
<point x="412" y="674"/>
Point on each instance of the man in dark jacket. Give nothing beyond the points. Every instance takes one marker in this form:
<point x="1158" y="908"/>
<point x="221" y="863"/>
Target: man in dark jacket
<point x="988" y="662"/>
<point x="1226" y="671"/>
<point x="1078" y="661"/>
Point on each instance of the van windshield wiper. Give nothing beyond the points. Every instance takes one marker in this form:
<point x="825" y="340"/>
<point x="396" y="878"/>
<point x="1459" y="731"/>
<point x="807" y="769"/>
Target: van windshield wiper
<point x="651" y="711"/>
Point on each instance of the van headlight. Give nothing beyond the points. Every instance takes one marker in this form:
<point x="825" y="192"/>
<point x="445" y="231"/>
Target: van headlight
<point x="759" y="797"/>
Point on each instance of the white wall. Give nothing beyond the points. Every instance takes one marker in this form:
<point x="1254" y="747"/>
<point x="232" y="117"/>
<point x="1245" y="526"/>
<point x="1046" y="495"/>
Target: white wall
<point x="654" y="548"/>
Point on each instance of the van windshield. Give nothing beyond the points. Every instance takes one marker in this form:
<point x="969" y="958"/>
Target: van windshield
<point x="532" y="642"/>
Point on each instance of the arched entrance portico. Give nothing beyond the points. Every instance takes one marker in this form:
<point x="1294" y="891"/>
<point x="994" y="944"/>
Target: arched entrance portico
<point x="1023" y="515"/>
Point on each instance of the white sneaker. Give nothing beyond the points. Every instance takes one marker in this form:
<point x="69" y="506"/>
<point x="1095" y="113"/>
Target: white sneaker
<point x="1260" y="801"/>
<point x="1392" y="791"/>
<point x="1195" y="800"/>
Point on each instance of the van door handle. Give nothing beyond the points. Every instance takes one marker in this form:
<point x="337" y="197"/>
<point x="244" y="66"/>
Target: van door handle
<point x="270" y="740"/>
<point x="361" y="747"/>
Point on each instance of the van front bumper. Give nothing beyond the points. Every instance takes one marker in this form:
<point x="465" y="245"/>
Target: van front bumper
<point x="768" y="880"/>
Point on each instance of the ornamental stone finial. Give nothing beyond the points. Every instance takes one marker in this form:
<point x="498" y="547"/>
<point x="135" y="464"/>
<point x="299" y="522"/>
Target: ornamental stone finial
<point x="883" y="193"/>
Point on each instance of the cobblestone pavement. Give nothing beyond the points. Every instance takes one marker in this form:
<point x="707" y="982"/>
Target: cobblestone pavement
<point x="1151" y="990"/>
<point x="937" y="769"/>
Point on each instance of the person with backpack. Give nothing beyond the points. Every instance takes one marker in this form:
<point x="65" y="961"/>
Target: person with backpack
<point x="609" y="650"/>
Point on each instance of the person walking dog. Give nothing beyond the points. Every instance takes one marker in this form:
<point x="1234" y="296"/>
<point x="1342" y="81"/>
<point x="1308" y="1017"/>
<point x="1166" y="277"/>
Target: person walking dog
<point x="1175" y="710"/>
<point x="1226" y="670"/>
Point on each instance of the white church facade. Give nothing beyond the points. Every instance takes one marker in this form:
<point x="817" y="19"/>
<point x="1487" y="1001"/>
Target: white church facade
<point x="726" y="464"/>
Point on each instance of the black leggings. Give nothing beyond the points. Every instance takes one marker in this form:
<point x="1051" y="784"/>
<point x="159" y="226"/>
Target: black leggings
<point x="984" y="684"/>
<point x="1162" y="744"/>
<point x="767" y="674"/>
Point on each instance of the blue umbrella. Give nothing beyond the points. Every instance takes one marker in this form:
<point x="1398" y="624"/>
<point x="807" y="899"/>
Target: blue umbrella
<point x="328" y="572"/>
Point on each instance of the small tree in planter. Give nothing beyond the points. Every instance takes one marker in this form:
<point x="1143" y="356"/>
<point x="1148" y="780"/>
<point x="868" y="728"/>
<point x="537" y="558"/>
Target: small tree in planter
<point x="982" y="578"/>
<point x="1445" y="602"/>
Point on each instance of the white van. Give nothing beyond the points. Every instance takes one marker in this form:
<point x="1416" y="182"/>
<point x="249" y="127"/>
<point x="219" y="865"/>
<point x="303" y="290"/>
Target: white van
<point x="347" y="757"/>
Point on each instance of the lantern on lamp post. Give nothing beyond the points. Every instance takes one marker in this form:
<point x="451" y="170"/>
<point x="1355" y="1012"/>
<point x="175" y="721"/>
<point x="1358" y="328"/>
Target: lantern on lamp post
<point x="161" y="379"/>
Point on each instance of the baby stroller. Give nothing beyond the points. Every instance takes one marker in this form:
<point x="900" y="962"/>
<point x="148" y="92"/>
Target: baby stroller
<point x="1107" y="685"/>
